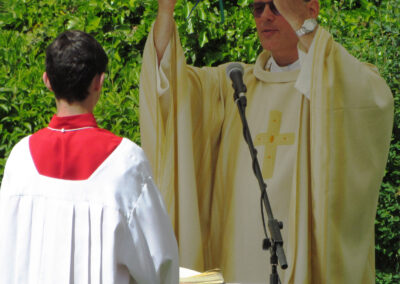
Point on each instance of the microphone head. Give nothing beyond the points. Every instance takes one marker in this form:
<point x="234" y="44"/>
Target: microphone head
<point x="234" y="66"/>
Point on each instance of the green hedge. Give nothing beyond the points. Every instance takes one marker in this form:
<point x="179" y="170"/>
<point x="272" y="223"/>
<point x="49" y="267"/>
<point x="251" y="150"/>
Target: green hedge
<point x="368" y="29"/>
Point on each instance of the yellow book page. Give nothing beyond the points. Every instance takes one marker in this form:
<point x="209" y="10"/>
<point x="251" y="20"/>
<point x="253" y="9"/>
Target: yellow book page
<point x="208" y="277"/>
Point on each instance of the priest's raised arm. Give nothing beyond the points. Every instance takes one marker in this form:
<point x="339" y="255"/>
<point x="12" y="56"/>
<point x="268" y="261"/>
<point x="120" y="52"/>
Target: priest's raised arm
<point x="181" y="103"/>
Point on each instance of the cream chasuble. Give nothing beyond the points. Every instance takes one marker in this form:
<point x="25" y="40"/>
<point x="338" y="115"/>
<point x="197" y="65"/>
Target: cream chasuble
<point x="322" y="158"/>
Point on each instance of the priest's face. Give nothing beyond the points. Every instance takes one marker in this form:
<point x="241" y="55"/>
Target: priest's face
<point x="275" y="33"/>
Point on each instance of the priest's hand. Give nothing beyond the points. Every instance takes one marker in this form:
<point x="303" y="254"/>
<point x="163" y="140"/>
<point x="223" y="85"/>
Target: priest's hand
<point x="164" y="26"/>
<point x="296" y="12"/>
<point x="166" y="7"/>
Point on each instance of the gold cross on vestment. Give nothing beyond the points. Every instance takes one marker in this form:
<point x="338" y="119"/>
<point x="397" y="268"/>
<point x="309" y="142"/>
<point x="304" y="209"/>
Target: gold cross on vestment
<point x="272" y="139"/>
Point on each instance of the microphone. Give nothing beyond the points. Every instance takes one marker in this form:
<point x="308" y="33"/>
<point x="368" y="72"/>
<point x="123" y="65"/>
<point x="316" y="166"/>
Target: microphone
<point x="235" y="71"/>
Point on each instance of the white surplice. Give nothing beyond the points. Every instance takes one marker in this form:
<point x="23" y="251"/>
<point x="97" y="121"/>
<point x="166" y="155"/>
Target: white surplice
<point x="110" y="228"/>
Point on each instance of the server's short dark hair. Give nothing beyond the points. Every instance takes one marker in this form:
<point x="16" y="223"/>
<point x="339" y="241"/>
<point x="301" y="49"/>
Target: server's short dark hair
<point x="72" y="61"/>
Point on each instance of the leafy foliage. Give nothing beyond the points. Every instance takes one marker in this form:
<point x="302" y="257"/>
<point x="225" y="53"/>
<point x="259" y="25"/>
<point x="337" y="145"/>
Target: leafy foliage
<point x="369" y="29"/>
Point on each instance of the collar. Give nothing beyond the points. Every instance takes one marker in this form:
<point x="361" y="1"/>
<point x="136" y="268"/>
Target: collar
<point x="272" y="77"/>
<point x="73" y="121"/>
<point x="274" y="67"/>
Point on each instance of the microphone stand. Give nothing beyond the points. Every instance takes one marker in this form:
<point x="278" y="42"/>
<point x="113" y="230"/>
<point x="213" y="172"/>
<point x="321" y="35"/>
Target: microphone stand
<point x="275" y="243"/>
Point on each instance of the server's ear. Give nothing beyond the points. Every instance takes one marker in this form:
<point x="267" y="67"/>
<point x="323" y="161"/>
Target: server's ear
<point x="47" y="81"/>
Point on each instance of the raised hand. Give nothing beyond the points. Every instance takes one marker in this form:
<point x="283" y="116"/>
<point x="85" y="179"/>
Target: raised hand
<point x="296" y="11"/>
<point x="166" y="6"/>
<point x="164" y="26"/>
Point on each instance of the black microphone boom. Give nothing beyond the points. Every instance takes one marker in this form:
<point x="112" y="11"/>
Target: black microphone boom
<point x="274" y="244"/>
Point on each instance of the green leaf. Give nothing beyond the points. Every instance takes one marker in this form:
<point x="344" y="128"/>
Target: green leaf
<point x="203" y="38"/>
<point x="93" y="24"/>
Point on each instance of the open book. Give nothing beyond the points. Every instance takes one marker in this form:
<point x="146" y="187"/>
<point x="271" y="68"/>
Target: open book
<point x="208" y="277"/>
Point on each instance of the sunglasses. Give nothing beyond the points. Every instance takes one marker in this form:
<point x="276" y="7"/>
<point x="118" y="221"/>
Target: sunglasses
<point x="258" y="8"/>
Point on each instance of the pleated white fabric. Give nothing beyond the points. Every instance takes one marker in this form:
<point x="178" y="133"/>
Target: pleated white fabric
<point x="110" y="228"/>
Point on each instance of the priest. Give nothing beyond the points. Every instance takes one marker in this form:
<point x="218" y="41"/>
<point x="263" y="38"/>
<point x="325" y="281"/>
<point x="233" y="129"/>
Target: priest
<point x="321" y="122"/>
<point x="77" y="203"/>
